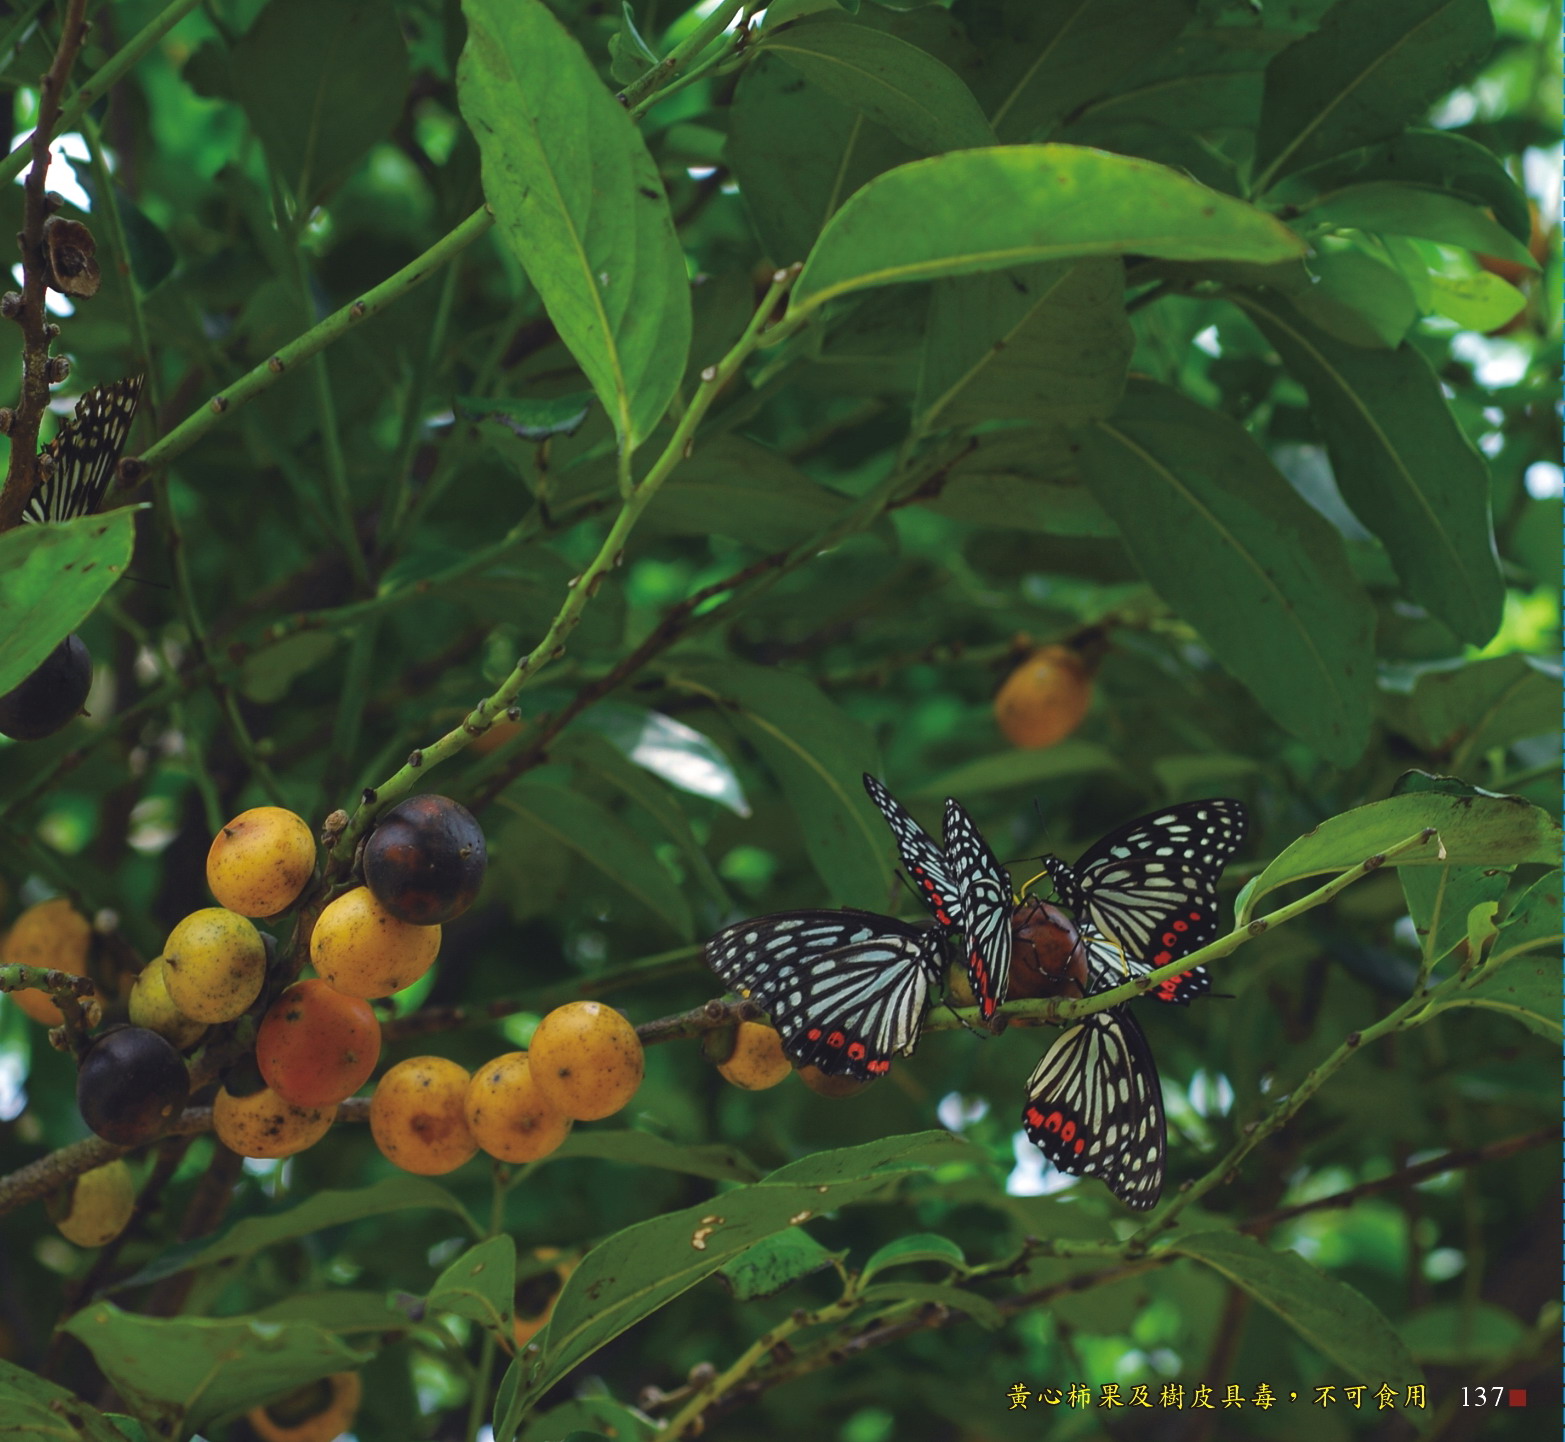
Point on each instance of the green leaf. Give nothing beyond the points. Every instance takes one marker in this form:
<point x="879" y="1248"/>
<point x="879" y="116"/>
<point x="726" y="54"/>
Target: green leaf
<point x="267" y="674"/>
<point x="797" y="154"/>
<point x="343" y="1311"/>
<point x="51" y="577"/>
<point x="1359" y="299"/>
<point x="1533" y="921"/>
<point x="1337" y="1321"/>
<point x="818" y="757"/>
<point x="33" y="1408"/>
<point x="318" y="108"/>
<point x="1398" y="209"/>
<point x="635" y="1272"/>
<point x="1455" y="890"/>
<point x="1403" y="464"/>
<point x="1000" y="208"/>
<point x="980" y="1309"/>
<point x="580" y="204"/>
<point x="532" y="418"/>
<point x="643" y="1149"/>
<point x="1438" y="159"/>
<point x="1049" y="343"/>
<point x="1524" y="988"/>
<point x="1481" y="302"/>
<point x="775" y="1263"/>
<point x="1473" y="831"/>
<point x="1007" y="769"/>
<point x="629" y="55"/>
<point x="678" y="754"/>
<point x="481" y="1286"/>
<point x="188" y="1371"/>
<point x="1463" y="1334"/>
<point x="734" y="487"/>
<point x="1273" y="594"/>
<point x="893" y="83"/>
<point x="1043" y="62"/>
<point x="324" y="1209"/>
<point x="1371" y="66"/>
<point x="915" y="1247"/>
<point x="1465" y="709"/>
<point x="598" y="1418"/>
<point x="578" y="823"/>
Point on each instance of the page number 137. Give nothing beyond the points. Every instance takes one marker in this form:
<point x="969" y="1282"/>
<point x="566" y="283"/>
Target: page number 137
<point x="1492" y="1397"/>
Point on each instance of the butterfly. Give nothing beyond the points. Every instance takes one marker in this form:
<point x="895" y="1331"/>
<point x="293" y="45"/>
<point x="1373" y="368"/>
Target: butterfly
<point x="1095" y="1107"/>
<point x="85" y="452"/>
<point x="1146" y="894"/>
<point x="963" y="886"/>
<point x="847" y="990"/>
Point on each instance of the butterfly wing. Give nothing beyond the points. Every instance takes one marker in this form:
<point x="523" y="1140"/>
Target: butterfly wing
<point x="846" y="990"/>
<point x="1151" y="886"/>
<point x="984" y="907"/>
<point x="926" y="864"/>
<point x="1095" y="1107"/>
<point x="85" y="452"/>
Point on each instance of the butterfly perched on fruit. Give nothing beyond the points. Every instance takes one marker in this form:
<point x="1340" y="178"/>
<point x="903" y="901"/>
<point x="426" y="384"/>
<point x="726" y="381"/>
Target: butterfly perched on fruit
<point x="85" y="452"/>
<point x="1095" y="1107"/>
<point x="963" y="886"/>
<point x="1146" y="894"/>
<point x="847" y="990"/>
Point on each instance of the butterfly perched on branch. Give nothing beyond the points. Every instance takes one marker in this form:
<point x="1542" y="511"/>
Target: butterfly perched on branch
<point x="78" y="465"/>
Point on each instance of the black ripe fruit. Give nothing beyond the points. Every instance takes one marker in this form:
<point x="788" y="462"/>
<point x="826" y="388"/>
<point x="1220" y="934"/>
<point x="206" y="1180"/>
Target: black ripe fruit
<point x="130" y="1085"/>
<point x="425" y="860"/>
<point x="40" y="704"/>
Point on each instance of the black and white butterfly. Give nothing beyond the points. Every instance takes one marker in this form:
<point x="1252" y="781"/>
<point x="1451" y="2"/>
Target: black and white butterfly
<point x="1146" y="894"/>
<point x="963" y="885"/>
<point x="1095" y="1107"/>
<point x="847" y="990"/>
<point x="85" y="452"/>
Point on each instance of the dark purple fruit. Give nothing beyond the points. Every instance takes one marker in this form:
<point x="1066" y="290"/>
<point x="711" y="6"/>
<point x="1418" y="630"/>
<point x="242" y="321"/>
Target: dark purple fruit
<point x="40" y="704"/>
<point x="425" y="860"/>
<point x="130" y="1085"/>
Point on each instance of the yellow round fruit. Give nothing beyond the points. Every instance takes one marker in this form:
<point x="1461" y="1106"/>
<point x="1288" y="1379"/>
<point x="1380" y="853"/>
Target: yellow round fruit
<point x="52" y="934"/>
<point x="214" y="963"/>
<point x="319" y="1411"/>
<point x="261" y="861"/>
<point x="263" y="1125"/>
<point x="757" y="1061"/>
<point x="152" y="1007"/>
<point x="587" y="1060"/>
<point x="363" y="950"/>
<point x="1045" y="698"/>
<point x="418" y="1118"/>
<point x="537" y="1294"/>
<point x="92" y="1210"/>
<point x="507" y="1114"/>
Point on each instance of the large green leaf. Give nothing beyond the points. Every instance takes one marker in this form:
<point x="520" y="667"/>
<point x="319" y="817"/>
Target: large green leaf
<point x="481" y="1286"/>
<point x="1439" y="159"/>
<point x="1049" y="343"/>
<point x="325" y="1209"/>
<point x="715" y="1161"/>
<point x="318" y="108"/>
<point x="1403" y="464"/>
<point x="775" y="1263"/>
<point x="578" y="823"/>
<point x="1444" y="897"/>
<point x="1000" y="208"/>
<point x="818" y="757"/>
<point x="896" y="84"/>
<point x="1463" y="710"/>
<point x="50" y="579"/>
<point x="797" y="154"/>
<point x="635" y="1272"/>
<point x="188" y="1371"/>
<point x="1229" y="544"/>
<point x="1372" y="66"/>
<point x="1473" y="831"/>
<point x="33" y="1408"/>
<point x="1043" y="62"/>
<point x="1337" y="1321"/>
<point x="1359" y="298"/>
<point x="1399" y="209"/>
<point x="580" y="203"/>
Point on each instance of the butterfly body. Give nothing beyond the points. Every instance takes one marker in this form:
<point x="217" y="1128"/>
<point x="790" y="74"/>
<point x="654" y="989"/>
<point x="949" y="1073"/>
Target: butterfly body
<point x="84" y="453"/>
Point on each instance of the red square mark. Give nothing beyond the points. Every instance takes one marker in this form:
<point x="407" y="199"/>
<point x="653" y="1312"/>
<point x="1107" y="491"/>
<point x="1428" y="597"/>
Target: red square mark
<point x="1517" y="1397"/>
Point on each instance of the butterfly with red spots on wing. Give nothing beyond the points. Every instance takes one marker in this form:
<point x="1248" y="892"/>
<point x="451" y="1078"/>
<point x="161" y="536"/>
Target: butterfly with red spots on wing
<point x="1146" y="894"/>
<point x="963" y="885"/>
